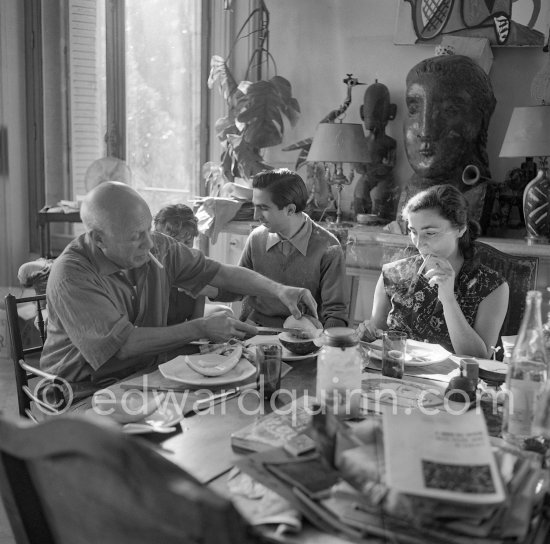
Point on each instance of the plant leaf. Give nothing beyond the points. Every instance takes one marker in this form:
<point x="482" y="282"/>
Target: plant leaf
<point x="290" y="107"/>
<point x="260" y="110"/>
<point x="214" y="179"/>
<point x="219" y="72"/>
<point x="245" y="158"/>
<point x="225" y="126"/>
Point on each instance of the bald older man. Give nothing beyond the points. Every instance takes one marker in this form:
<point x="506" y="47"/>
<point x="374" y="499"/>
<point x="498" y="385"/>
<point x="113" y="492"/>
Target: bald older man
<point x="108" y="292"/>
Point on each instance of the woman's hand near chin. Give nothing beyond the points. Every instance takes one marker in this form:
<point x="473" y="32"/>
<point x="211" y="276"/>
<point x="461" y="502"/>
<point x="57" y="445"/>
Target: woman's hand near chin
<point x="441" y="273"/>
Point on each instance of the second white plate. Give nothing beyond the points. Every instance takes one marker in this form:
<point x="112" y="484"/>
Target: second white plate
<point x="418" y="353"/>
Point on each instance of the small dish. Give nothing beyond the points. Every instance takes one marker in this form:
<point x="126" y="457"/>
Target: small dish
<point x="491" y="370"/>
<point x="287" y="356"/>
<point x="242" y="191"/>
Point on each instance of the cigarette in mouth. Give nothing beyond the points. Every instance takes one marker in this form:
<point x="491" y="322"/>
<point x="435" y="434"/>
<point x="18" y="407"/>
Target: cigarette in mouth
<point x="156" y="261"/>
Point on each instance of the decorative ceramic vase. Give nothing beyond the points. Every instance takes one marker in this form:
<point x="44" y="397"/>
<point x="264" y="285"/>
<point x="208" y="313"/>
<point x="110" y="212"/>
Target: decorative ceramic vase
<point x="536" y="208"/>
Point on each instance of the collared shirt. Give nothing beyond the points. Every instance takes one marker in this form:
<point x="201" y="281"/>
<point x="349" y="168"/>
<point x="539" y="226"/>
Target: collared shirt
<point x="93" y="307"/>
<point x="316" y="262"/>
<point x="300" y="239"/>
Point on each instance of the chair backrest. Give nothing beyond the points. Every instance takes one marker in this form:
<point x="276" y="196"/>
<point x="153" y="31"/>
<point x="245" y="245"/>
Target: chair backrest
<point x="521" y="274"/>
<point x="71" y="480"/>
<point x="20" y="352"/>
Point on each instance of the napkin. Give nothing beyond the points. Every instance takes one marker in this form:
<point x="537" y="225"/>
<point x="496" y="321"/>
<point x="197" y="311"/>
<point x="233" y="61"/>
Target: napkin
<point x="214" y="214"/>
<point x="260" y="505"/>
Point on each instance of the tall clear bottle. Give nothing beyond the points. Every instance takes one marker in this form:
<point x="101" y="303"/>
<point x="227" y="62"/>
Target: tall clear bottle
<point x="546" y="330"/>
<point x="527" y="374"/>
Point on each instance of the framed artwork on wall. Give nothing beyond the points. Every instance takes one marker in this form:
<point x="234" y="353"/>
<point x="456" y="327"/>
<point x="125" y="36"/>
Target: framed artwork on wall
<point x="503" y="22"/>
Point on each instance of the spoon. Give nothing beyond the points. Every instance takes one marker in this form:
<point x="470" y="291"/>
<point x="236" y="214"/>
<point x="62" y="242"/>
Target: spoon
<point x="146" y="428"/>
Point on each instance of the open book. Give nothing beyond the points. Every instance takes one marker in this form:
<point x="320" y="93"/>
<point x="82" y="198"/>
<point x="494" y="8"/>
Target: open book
<point x="441" y="456"/>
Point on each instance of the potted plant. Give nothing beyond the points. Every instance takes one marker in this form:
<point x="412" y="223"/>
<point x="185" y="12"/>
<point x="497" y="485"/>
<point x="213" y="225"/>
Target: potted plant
<point x="255" y="111"/>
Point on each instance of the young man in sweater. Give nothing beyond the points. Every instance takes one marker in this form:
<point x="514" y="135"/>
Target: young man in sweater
<point x="288" y="247"/>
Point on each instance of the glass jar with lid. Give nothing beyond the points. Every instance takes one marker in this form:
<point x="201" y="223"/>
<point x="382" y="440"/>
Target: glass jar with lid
<point x="339" y="367"/>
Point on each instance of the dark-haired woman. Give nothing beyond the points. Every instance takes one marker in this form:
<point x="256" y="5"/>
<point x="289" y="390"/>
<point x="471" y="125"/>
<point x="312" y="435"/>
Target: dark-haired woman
<point x="455" y="301"/>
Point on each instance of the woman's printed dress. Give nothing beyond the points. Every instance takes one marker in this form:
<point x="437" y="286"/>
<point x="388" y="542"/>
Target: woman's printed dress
<point x="415" y="308"/>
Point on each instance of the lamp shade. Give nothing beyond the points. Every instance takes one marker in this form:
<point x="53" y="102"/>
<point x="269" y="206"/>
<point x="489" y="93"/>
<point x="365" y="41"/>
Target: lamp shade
<point x="339" y="142"/>
<point x="528" y="133"/>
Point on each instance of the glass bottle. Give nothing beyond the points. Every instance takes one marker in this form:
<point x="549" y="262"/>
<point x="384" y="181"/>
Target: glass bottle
<point x="546" y="334"/>
<point x="527" y="374"/>
<point x="339" y="367"/>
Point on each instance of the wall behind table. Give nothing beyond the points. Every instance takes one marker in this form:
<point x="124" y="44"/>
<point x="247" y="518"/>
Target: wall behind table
<point x="315" y="43"/>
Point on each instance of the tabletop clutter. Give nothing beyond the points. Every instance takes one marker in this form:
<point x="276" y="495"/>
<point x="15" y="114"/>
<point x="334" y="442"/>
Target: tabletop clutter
<point x="416" y="455"/>
<point x="401" y="440"/>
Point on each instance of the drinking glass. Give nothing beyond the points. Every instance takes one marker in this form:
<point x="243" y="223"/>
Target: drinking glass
<point x="268" y="358"/>
<point x="394" y="348"/>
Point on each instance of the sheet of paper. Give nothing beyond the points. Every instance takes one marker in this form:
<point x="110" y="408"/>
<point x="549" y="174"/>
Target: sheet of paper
<point x="435" y="453"/>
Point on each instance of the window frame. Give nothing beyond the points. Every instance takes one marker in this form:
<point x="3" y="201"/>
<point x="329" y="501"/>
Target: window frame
<point x="49" y="159"/>
<point x="35" y="116"/>
<point x="116" y="78"/>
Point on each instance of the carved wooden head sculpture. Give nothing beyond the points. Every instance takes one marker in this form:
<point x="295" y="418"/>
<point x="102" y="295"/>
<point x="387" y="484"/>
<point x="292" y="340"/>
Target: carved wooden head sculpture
<point x="450" y="102"/>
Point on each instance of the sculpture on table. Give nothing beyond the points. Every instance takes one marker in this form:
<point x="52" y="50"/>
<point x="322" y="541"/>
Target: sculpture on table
<point x="450" y="102"/>
<point x="376" y="192"/>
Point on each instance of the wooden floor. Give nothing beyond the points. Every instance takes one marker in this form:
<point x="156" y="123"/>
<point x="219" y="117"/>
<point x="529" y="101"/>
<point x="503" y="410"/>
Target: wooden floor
<point x="8" y="405"/>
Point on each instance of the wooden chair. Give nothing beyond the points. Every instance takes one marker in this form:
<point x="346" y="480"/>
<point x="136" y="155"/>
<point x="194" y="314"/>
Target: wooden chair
<point x="70" y="480"/>
<point x="521" y="274"/>
<point x="51" y="400"/>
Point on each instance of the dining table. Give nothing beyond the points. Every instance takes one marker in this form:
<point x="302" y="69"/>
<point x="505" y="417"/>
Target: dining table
<point x="201" y="443"/>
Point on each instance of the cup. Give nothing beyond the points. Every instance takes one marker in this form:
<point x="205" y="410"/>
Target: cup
<point x="394" y="348"/>
<point x="268" y="358"/>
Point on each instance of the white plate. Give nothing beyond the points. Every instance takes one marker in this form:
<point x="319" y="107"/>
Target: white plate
<point x="177" y="369"/>
<point x="418" y="353"/>
<point x="401" y="393"/>
<point x="286" y="356"/>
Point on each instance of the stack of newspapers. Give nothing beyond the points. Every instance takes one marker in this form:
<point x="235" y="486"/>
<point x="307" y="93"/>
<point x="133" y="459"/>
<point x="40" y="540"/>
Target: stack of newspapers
<point x="442" y="477"/>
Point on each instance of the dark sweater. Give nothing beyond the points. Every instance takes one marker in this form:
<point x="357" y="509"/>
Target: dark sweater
<point x="321" y="270"/>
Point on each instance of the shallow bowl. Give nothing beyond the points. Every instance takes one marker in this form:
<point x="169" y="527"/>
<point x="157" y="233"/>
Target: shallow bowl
<point x="298" y="346"/>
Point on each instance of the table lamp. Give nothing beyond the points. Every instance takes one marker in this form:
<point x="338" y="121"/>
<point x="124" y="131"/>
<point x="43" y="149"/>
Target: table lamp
<point x="528" y="135"/>
<point x="337" y="143"/>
